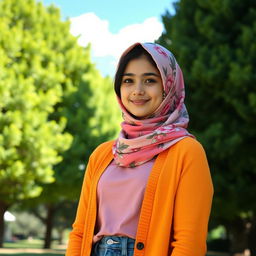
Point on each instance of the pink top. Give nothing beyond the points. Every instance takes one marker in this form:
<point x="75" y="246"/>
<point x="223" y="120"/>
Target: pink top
<point x="120" y="193"/>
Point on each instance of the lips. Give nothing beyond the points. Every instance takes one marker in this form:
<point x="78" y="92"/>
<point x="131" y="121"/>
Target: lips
<point x="139" y="101"/>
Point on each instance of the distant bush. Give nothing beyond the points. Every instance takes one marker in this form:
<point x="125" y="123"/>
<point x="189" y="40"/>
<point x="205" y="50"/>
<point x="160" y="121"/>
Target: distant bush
<point x="219" y="245"/>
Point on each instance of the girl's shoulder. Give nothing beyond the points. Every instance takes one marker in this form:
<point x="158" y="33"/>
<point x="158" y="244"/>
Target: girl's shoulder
<point x="102" y="151"/>
<point x="103" y="146"/>
<point x="188" y="146"/>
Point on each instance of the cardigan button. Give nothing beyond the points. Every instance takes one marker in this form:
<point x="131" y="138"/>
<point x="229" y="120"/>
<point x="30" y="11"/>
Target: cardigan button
<point x="140" y="245"/>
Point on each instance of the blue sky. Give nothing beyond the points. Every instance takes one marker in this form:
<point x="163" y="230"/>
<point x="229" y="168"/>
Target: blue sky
<point x="114" y="25"/>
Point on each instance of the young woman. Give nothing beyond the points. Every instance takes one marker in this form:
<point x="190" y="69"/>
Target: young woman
<point x="149" y="192"/>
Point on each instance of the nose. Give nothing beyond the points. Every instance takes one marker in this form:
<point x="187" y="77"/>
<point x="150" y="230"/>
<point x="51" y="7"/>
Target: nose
<point x="139" y="89"/>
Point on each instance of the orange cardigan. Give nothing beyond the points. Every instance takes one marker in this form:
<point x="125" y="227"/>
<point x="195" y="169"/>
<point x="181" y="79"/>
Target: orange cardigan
<point x="175" y="210"/>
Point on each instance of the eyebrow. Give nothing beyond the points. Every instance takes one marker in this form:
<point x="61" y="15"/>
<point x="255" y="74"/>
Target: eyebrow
<point x="144" y="74"/>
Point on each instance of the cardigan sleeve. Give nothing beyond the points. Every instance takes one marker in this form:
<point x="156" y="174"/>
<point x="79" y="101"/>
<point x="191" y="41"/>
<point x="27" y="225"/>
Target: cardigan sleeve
<point x="192" y="204"/>
<point x="76" y="235"/>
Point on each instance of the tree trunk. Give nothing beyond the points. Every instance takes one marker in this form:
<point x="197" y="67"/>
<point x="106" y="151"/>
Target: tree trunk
<point x="238" y="236"/>
<point x="3" y="208"/>
<point x="252" y="238"/>
<point x="61" y="234"/>
<point x="49" y="226"/>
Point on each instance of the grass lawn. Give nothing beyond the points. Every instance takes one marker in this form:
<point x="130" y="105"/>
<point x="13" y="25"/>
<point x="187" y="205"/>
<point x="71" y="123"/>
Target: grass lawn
<point x="35" y="244"/>
<point x="30" y="248"/>
<point x="31" y="244"/>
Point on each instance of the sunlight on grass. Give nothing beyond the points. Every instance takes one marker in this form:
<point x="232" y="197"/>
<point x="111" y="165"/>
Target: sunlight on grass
<point x="36" y="244"/>
<point x="21" y="248"/>
<point x="30" y="244"/>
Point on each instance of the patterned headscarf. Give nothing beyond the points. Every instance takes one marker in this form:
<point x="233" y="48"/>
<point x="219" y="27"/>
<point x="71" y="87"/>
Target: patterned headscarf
<point x="142" y="139"/>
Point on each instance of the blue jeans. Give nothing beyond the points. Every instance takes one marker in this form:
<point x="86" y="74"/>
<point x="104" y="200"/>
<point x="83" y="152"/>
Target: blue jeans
<point x="114" y="246"/>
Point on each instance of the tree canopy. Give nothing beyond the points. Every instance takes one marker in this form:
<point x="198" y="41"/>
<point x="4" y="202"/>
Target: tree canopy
<point x="92" y="119"/>
<point x="35" y="75"/>
<point x="55" y="107"/>
<point x="214" y="43"/>
<point x="42" y="66"/>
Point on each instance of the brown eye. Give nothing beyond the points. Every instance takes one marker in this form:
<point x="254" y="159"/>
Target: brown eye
<point x="127" y="81"/>
<point x="150" y="81"/>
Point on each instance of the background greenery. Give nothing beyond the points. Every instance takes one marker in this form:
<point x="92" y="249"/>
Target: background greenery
<point x="214" y="42"/>
<point x="55" y="108"/>
<point x="53" y="114"/>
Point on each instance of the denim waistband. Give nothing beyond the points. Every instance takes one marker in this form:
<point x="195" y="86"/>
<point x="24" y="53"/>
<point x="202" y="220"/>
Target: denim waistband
<point x="117" y="242"/>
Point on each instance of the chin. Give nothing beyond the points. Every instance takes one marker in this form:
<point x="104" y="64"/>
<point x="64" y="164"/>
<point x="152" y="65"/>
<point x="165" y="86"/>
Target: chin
<point x="140" y="116"/>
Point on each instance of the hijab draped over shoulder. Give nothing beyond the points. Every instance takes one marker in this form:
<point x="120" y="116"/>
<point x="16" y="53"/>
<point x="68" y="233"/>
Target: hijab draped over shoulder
<point x="142" y="139"/>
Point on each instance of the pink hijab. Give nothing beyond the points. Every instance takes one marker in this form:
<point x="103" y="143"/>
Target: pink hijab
<point x="140" y="140"/>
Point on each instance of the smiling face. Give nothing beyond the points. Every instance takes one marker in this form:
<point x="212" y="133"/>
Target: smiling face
<point x="141" y="88"/>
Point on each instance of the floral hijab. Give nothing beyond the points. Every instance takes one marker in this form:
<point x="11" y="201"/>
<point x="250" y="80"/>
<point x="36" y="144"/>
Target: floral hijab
<point x="141" y="140"/>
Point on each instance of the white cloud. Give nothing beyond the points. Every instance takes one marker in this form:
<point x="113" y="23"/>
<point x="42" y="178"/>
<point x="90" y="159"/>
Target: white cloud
<point x="106" y="44"/>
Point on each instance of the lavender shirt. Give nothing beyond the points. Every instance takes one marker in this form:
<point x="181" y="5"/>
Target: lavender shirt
<point x="120" y="193"/>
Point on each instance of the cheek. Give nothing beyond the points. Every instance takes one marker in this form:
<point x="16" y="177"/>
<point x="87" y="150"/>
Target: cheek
<point x="159" y="100"/>
<point x="123" y="93"/>
<point x="159" y="95"/>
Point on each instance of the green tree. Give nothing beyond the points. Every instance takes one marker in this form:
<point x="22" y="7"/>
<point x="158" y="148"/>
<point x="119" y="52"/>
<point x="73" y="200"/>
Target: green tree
<point x="92" y="119"/>
<point x="41" y="64"/>
<point x="89" y="128"/>
<point x="214" y="42"/>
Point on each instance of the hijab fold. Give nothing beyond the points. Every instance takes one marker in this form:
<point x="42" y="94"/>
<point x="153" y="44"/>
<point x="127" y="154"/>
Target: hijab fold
<point x="142" y="139"/>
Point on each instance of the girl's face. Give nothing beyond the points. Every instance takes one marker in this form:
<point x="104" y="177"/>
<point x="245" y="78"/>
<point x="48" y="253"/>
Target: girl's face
<point x="141" y="88"/>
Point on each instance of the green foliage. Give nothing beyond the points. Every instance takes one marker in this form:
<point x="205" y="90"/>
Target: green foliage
<point x="106" y="122"/>
<point x="37" y="70"/>
<point x="49" y="90"/>
<point x="214" y="42"/>
<point x="93" y="119"/>
<point x="43" y="70"/>
<point x="55" y="108"/>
